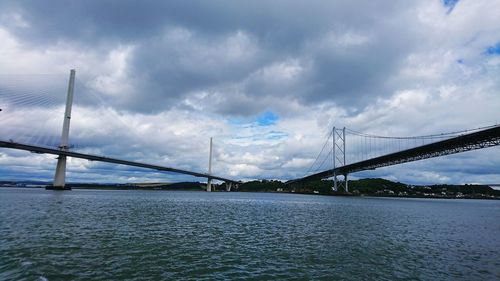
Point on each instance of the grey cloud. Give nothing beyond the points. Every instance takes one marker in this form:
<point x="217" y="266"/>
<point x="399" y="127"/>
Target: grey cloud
<point x="136" y="20"/>
<point x="169" y="68"/>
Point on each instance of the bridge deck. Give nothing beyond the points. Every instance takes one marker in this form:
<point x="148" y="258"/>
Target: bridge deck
<point x="477" y="140"/>
<point x="39" y="149"/>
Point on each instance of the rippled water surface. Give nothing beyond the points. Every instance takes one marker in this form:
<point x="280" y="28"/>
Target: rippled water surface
<point x="161" y="235"/>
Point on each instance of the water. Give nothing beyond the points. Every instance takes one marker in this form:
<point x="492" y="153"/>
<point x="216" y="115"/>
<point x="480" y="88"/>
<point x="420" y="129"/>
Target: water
<point x="161" y="235"/>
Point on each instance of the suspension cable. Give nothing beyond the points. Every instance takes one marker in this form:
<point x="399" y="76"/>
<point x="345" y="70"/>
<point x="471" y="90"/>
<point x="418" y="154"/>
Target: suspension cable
<point x="442" y="135"/>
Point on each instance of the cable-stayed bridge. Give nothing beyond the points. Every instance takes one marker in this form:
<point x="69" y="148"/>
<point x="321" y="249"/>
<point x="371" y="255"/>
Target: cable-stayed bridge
<point x="22" y="136"/>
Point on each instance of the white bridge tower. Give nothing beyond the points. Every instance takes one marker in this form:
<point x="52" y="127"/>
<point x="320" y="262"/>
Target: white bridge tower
<point x="60" y="176"/>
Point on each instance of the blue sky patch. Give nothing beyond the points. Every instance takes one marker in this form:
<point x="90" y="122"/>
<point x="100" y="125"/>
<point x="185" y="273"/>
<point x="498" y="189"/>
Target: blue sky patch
<point x="450" y="4"/>
<point x="493" y="50"/>
<point x="268" y="118"/>
<point x="276" y="135"/>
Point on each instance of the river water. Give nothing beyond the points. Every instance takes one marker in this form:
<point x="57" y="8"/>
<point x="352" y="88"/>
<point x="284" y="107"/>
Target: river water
<point x="166" y="235"/>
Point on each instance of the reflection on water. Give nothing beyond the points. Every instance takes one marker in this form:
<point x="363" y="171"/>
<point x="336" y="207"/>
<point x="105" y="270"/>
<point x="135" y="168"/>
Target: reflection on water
<point x="92" y="234"/>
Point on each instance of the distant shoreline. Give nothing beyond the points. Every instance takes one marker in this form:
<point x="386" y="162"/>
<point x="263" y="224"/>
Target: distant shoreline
<point x="103" y="187"/>
<point x="373" y="187"/>
<point x="390" y="195"/>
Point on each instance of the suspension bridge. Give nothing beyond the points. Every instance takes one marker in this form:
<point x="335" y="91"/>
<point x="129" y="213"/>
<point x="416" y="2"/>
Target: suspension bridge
<point x="344" y="152"/>
<point x="408" y="149"/>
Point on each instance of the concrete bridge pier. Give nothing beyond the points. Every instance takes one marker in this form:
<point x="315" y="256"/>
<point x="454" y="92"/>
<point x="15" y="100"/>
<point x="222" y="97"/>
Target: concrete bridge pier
<point x="346" y="182"/>
<point x="229" y="185"/>
<point x="209" y="185"/>
<point x="334" y="187"/>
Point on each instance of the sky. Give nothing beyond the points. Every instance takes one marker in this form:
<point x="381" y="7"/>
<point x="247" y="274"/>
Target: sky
<point x="266" y="79"/>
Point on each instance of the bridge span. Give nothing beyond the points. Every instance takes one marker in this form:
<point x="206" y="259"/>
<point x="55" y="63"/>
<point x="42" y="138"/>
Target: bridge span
<point x="466" y="142"/>
<point x="45" y="150"/>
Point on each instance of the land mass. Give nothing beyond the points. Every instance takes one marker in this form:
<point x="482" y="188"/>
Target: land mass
<point x="378" y="187"/>
<point x="112" y="186"/>
<point x="362" y="187"/>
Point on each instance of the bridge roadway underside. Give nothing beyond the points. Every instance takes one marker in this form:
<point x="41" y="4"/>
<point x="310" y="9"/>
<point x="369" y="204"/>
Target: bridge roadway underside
<point x="477" y="140"/>
<point x="45" y="150"/>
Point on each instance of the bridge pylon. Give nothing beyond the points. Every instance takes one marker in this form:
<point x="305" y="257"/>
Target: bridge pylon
<point x="209" y="179"/>
<point x="338" y="142"/>
<point x="60" y="175"/>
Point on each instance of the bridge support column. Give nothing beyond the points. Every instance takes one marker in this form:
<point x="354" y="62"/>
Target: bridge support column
<point x="346" y="183"/>
<point x="339" y="184"/>
<point x="209" y="182"/>
<point x="60" y="175"/>
<point x="229" y="185"/>
<point x="335" y="187"/>
<point x="209" y="185"/>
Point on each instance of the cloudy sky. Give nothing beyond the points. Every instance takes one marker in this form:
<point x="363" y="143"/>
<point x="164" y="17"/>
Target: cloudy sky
<point x="266" y="79"/>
